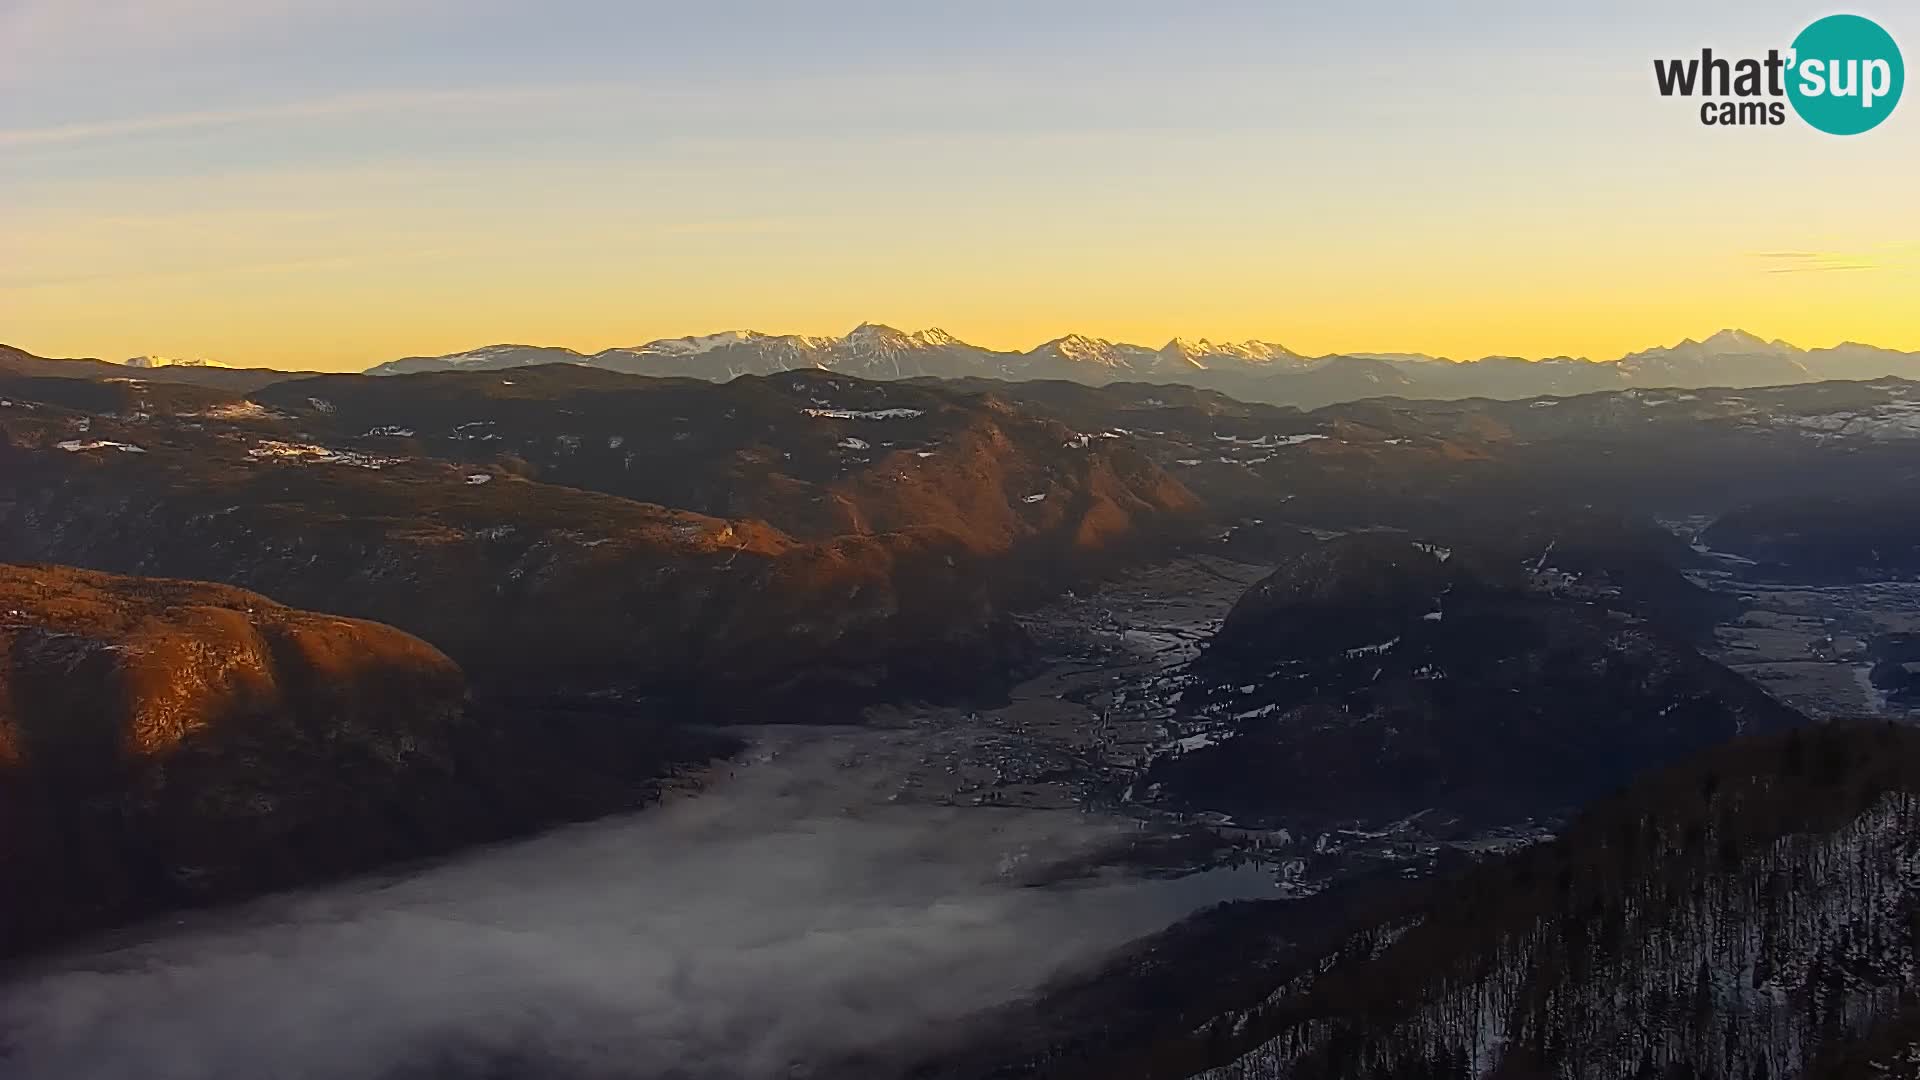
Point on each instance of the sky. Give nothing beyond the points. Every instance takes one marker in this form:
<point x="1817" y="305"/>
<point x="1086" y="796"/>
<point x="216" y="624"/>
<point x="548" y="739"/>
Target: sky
<point x="334" y="183"/>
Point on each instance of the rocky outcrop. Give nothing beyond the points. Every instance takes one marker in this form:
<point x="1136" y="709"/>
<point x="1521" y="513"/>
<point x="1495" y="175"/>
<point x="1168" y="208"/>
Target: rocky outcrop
<point x="167" y="737"/>
<point x="166" y="742"/>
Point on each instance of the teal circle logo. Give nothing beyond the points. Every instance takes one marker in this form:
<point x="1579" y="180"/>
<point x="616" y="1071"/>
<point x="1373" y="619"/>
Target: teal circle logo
<point x="1846" y="75"/>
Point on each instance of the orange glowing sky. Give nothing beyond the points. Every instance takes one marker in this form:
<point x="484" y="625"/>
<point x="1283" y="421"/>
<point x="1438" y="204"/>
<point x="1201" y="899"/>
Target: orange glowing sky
<point x="296" y="183"/>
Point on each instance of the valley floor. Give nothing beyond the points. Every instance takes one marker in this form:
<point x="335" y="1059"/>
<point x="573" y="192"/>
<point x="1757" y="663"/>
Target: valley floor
<point x="1075" y="732"/>
<point x="1808" y="644"/>
<point x="833" y="895"/>
<point x="827" y="895"/>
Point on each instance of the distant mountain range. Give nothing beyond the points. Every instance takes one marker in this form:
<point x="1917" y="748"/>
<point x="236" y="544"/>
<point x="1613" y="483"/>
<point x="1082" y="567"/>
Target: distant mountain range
<point x="1252" y="370"/>
<point x="171" y="361"/>
<point x="880" y="352"/>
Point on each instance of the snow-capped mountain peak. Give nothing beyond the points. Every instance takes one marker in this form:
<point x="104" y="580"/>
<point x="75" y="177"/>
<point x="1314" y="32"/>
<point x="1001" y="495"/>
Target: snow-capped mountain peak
<point x="1254" y="370"/>
<point x="877" y="350"/>
<point x="1082" y="348"/>
<point x="700" y="343"/>
<point x="1740" y="341"/>
<point x="485" y="358"/>
<point x="877" y="335"/>
<point x="1724" y="343"/>
<point x="936" y="338"/>
<point x="1193" y="350"/>
<point x="1727" y="358"/>
<point x="170" y="361"/>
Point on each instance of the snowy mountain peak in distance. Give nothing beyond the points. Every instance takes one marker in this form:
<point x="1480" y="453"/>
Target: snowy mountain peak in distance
<point x="1740" y="341"/>
<point x="1081" y="349"/>
<point x="485" y="358"/>
<point x="1193" y="350"/>
<point x="1079" y="345"/>
<point x="936" y="338"/>
<point x="1728" y="358"/>
<point x="699" y="343"/>
<point x="489" y="353"/>
<point x="863" y="339"/>
<point x="1254" y="370"/>
<point x="878" y="335"/>
<point x="1397" y="357"/>
<point x="1724" y="343"/>
<point x="170" y="361"/>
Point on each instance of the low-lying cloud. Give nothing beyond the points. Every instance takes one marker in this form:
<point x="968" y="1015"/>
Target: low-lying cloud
<point x="787" y="917"/>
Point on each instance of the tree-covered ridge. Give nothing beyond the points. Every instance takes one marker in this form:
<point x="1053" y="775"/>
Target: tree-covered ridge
<point x="1743" y="916"/>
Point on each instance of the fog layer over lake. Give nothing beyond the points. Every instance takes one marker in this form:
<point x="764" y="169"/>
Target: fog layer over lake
<point x="790" y="914"/>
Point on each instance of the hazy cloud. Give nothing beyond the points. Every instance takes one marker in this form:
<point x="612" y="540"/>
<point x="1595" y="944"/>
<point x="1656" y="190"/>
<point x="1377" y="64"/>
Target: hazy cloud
<point x="788" y="918"/>
<point x="370" y="104"/>
<point x="1808" y="262"/>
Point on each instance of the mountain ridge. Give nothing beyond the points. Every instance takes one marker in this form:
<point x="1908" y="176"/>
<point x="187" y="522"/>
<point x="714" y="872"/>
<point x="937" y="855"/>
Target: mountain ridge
<point x="1257" y="372"/>
<point x="1079" y="345"/>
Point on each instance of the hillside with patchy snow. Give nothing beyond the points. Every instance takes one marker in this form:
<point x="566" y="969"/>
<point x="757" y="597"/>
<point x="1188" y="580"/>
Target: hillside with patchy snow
<point x="1751" y="915"/>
